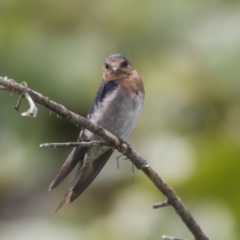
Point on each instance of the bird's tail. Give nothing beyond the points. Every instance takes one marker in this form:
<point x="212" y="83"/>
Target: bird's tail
<point x="84" y="176"/>
<point x="74" y="157"/>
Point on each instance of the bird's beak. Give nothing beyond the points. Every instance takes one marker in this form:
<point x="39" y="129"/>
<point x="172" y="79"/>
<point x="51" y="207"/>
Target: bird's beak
<point x="115" y="69"/>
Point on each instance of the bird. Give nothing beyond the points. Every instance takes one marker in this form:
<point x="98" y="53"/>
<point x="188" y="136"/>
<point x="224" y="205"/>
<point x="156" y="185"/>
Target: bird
<point x="116" y="107"/>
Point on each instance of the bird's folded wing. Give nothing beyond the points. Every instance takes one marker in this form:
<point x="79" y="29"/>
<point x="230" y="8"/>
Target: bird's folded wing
<point x="76" y="155"/>
<point x="87" y="177"/>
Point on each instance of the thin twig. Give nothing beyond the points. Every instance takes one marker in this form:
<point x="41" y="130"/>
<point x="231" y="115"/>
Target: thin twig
<point x="160" y="205"/>
<point x="74" y="144"/>
<point x="21" y="96"/>
<point x="122" y="147"/>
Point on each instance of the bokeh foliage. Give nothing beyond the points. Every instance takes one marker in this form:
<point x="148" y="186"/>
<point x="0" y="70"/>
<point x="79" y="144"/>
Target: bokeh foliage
<point x="188" y="54"/>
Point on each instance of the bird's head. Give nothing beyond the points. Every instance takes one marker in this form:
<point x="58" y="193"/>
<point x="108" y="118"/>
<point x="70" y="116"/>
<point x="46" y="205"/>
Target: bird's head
<point x="115" y="66"/>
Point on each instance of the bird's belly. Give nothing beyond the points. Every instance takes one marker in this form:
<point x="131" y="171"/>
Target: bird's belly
<point x="119" y="116"/>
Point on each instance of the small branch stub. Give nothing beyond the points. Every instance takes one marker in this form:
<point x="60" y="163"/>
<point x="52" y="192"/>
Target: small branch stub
<point x="160" y="205"/>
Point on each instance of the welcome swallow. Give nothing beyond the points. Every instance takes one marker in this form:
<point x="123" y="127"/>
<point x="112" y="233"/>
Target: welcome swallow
<point x="116" y="107"/>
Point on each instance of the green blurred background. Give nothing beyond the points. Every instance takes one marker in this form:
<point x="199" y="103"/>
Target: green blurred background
<point x="188" y="54"/>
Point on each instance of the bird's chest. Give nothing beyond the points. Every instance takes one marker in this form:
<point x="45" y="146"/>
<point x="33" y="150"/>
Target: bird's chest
<point x="118" y="113"/>
<point x="126" y="113"/>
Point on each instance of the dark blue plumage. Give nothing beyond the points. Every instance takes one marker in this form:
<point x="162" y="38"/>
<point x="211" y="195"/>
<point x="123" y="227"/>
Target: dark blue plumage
<point x="105" y="89"/>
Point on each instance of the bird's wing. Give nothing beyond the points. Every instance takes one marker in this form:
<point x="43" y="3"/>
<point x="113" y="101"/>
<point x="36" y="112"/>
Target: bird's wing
<point x="106" y="88"/>
<point x="87" y="176"/>
<point x="76" y="155"/>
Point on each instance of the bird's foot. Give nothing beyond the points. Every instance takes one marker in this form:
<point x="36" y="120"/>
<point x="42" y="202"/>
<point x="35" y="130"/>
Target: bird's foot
<point x="128" y="150"/>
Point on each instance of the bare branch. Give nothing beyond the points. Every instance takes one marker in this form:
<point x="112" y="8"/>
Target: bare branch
<point x="74" y="144"/>
<point x="160" y="205"/>
<point x="21" y="95"/>
<point x="121" y="146"/>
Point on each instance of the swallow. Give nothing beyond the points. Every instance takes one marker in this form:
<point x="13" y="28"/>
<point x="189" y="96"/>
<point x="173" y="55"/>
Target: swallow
<point x="116" y="108"/>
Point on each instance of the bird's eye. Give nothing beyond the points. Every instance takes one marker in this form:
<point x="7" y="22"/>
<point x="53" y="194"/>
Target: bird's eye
<point x="107" y="66"/>
<point x="124" y="64"/>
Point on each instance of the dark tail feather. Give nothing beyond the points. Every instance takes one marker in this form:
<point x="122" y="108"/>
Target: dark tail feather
<point x="88" y="175"/>
<point x="74" y="157"/>
<point x="69" y="192"/>
<point x="64" y="200"/>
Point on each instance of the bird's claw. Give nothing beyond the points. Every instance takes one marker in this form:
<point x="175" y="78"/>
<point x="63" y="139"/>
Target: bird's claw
<point x="129" y="149"/>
